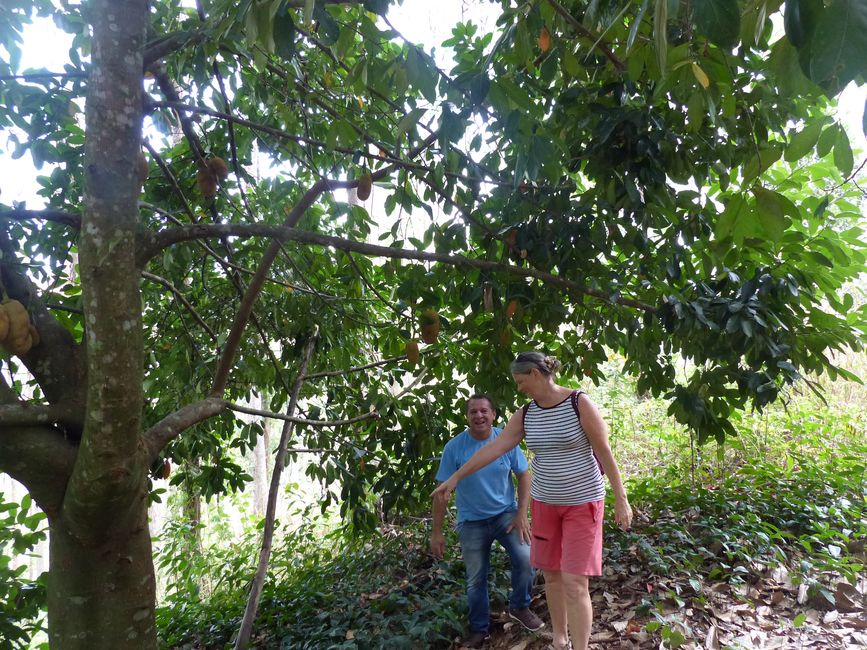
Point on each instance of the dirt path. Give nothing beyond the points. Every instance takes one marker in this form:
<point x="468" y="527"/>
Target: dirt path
<point x="772" y="613"/>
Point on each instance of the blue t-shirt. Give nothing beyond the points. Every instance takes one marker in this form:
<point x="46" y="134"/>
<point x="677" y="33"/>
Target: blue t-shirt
<point x="489" y="491"/>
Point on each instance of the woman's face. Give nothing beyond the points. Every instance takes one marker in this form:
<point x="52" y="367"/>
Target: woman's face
<point x="527" y="382"/>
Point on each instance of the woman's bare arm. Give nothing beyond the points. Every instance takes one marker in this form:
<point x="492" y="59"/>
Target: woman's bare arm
<point x="597" y="433"/>
<point x="508" y="439"/>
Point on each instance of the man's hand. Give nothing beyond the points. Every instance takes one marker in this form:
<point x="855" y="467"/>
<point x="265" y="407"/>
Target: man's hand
<point x="522" y="525"/>
<point x="437" y="545"/>
<point x="622" y="513"/>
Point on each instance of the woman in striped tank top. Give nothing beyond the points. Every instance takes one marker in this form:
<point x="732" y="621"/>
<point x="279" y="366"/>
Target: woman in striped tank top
<point x="569" y="439"/>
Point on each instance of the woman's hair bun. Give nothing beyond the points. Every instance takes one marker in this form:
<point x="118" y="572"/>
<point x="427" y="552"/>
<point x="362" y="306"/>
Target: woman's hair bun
<point x="552" y="364"/>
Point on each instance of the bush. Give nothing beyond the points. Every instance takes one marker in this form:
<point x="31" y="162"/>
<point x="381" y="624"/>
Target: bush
<point x="22" y="601"/>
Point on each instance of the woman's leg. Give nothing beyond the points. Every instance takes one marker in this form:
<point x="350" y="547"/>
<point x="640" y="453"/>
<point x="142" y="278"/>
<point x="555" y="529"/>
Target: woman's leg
<point x="556" y="598"/>
<point x="579" y="608"/>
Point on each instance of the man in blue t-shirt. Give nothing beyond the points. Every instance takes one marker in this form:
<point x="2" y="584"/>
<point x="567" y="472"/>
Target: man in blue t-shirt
<point x="488" y="511"/>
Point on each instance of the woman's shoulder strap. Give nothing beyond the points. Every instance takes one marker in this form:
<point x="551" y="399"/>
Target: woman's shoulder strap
<point x="575" y="395"/>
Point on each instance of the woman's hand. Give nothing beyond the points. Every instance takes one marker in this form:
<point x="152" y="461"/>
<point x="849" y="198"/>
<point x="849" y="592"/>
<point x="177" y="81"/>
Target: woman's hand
<point x="444" y="491"/>
<point x="623" y="513"/>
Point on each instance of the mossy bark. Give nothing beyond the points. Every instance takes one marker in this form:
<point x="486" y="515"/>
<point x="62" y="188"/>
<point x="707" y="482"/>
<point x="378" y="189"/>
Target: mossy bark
<point x="101" y="595"/>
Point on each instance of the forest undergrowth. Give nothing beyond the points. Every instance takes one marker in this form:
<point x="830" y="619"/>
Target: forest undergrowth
<point x="758" y="544"/>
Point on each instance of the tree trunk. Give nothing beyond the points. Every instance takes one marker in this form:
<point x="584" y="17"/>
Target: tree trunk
<point x="246" y="629"/>
<point x="260" y="472"/>
<point x="101" y="596"/>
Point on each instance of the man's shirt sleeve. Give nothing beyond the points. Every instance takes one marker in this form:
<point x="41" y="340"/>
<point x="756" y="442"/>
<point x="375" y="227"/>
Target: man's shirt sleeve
<point x="447" y="463"/>
<point x="518" y="461"/>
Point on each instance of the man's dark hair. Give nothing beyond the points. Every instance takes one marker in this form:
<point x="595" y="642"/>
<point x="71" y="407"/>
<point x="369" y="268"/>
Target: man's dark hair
<point x="477" y="396"/>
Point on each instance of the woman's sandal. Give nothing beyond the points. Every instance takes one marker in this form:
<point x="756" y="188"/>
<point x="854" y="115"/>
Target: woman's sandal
<point x="551" y="646"/>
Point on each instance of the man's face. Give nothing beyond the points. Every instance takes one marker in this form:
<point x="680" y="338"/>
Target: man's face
<point x="480" y="417"/>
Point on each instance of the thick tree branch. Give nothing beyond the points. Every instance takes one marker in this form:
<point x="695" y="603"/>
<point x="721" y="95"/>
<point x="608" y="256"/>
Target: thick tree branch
<point x="282" y="233"/>
<point x="57" y="216"/>
<point x="347" y="371"/>
<point x="167" y="87"/>
<point x="171" y="178"/>
<point x="170" y="44"/>
<point x="299" y="4"/>
<point x="242" y="316"/>
<point x="282" y="135"/>
<point x="221" y="376"/>
<point x="37" y="76"/>
<point x="57" y="362"/>
<point x="36" y="456"/>
<point x="41" y="459"/>
<point x="26" y="413"/>
<point x="171" y="426"/>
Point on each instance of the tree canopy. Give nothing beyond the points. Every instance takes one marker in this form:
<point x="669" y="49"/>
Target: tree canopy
<point x="662" y="180"/>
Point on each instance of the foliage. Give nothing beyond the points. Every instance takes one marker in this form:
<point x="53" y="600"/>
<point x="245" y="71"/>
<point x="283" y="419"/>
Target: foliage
<point x="22" y="601"/>
<point x="377" y="591"/>
<point x="808" y="513"/>
<point x="668" y="185"/>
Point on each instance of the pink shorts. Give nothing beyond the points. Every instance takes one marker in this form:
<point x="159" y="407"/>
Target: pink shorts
<point x="567" y="538"/>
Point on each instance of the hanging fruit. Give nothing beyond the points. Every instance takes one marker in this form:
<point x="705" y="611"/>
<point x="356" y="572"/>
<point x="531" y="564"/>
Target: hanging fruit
<point x="365" y="184"/>
<point x="544" y="40"/>
<point x="430" y="325"/>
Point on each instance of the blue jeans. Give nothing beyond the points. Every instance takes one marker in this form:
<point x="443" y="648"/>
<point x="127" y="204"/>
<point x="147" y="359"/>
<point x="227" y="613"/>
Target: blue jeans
<point x="476" y="539"/>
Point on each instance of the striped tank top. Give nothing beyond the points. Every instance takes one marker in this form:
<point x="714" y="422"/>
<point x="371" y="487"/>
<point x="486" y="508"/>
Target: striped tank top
<point x="564" y="469"/>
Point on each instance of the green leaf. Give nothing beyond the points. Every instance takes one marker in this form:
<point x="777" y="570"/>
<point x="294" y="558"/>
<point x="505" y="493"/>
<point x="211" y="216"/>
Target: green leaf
<point x="695" y="111"/>
<point x="636" y="25"/>
<point x="309" y="6"/>
<point x="839" y="45"/>
<point x="409" y="121"/>
<point x="864" y="120"/>
<point x="771" y="212"/>
<point x="843" y="158"/>
<point x="788" y="72"/>
<point x="827" y="140"/>
<point x="719" y="20"/>
<point x="737" y="221"/>
<point x="766" y="157"/>
<point x="379" y="7"/>
<point x="328" y="29"/>
<point x="660" y="34"/>
<point x="284" y="36"/>
<point x="420" y="74"/>
<point x="479" y="87"/>
<point x="800" y="20"/>
<point x="803" y="142"/>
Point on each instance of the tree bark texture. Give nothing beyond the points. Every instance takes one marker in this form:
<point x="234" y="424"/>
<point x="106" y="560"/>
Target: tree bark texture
<point x="101" y="579"/>
<point x="101" y="595"/>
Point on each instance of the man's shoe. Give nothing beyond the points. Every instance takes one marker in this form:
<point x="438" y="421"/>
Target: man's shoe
<point x="475" y="640"/>
<point x="526" y="618"/>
